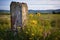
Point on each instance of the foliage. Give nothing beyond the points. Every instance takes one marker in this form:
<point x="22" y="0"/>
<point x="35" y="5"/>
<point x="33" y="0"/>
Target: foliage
<point x="38" y="27"/>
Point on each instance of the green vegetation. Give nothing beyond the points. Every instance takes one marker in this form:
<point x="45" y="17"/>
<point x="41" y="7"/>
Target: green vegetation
<point x="1" y="13"/>
<point x="39" y="27"/>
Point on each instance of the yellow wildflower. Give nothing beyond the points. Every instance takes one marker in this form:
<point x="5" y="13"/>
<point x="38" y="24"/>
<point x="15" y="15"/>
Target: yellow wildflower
<point x="31" y="15"/>
<point x="32" y="34"/>
<point x="34" y="22"/>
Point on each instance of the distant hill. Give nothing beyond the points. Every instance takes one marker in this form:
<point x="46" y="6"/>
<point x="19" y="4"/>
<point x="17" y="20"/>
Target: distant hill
<point x="43" y="11"/>
<point x="34" y="11"/>
<point x="4" y="11"/>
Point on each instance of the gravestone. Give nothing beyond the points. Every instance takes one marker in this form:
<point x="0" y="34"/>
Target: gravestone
<point x="18" y="14"/>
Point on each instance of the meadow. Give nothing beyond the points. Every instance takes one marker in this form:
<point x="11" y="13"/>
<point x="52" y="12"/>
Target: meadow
<point x="39" y="27"/>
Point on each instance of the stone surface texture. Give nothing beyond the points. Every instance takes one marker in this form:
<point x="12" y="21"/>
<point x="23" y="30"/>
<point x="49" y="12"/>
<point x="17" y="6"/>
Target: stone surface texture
<point x="18" y="13"/>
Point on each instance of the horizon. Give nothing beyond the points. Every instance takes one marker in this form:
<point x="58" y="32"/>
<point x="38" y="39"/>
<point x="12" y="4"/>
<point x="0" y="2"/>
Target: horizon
<point x="33" y="4"/>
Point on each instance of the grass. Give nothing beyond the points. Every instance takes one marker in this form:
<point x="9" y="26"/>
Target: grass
<point x="38" y="27"/>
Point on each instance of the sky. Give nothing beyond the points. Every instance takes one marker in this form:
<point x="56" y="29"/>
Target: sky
<point x="33" y="4"/>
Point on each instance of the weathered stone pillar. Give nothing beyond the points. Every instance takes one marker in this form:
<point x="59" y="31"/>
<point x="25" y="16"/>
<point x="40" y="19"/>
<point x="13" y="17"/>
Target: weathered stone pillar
<point x="18" y="14"/>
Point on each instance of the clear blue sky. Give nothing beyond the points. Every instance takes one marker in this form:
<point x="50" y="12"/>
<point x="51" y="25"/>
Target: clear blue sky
<point x="32" y="4"/>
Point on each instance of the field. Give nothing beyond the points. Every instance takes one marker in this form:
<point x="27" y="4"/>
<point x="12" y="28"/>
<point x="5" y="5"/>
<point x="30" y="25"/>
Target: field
<point x="38" y="27"/>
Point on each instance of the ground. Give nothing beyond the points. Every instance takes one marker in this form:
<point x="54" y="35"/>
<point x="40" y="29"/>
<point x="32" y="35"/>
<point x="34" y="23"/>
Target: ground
<point x="38" y="27"/>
